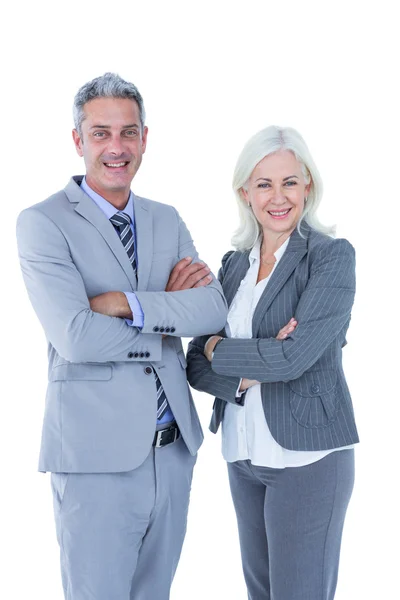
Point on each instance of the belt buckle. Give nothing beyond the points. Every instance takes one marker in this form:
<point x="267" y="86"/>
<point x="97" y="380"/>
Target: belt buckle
<point x="159" y="436"/>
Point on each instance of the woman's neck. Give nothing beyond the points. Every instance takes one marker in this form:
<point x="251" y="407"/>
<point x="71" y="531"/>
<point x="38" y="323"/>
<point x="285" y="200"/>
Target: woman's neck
<point x="271" y="243"/>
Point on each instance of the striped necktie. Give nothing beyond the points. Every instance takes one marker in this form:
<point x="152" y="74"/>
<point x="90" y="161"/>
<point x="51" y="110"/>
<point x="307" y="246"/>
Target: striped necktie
<point x="122" y="223"/>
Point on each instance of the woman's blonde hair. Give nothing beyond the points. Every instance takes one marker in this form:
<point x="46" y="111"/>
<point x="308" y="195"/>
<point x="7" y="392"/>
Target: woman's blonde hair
<point x="265" y="142"/>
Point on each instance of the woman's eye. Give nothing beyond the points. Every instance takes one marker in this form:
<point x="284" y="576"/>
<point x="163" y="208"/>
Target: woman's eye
<point x="263" y="185"/>
<point x="291" y="183"/>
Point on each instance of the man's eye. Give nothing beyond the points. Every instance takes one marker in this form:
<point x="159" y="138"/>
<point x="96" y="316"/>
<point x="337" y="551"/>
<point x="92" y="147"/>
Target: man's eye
<point x="98" y="134"/>
<point x="131" y="132"/>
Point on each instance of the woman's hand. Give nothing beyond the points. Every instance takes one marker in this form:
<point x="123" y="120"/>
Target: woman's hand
<point x="247" y="383"/>
<point x="284" y="332"/>
<point x="210" y="345"/>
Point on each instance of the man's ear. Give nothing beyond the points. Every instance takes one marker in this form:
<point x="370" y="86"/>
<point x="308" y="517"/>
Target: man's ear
<point x="78" y="142"/>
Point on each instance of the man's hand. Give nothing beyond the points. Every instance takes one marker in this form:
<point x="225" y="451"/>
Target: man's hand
<point x="112" y="304"/>
<point x="187" y="275"/>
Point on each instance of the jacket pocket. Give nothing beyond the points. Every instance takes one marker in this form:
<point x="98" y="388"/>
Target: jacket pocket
<point x="313" y="399"/>
<point x="83" y="372"/>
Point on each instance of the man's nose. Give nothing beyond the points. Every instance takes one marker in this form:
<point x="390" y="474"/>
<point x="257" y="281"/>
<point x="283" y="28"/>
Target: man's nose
<point x="115" y="145"/>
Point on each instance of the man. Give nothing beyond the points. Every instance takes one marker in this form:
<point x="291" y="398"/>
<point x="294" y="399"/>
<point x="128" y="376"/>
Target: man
<point x="115" y="281"/>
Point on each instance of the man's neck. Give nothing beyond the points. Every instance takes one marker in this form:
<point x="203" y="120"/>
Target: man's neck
<point x="118" y="198"/>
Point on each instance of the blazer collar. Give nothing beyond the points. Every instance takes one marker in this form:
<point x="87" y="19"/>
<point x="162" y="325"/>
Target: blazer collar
<point x="89" y="210"/>
<point x="295" y="251"/>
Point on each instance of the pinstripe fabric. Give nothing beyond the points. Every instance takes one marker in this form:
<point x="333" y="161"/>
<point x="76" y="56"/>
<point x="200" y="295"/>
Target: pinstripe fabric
<point x="304" y="392"/>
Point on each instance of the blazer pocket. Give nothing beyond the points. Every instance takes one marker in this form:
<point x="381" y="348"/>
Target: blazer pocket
<point x="81" y="372"/>
<point x="313" y="399"/>
<point x="182" y="359"/>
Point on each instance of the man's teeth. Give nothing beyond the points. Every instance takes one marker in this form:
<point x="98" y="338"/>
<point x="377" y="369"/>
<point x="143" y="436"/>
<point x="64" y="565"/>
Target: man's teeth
<point x="279" y="213"/>
<point x="115" y="165"/>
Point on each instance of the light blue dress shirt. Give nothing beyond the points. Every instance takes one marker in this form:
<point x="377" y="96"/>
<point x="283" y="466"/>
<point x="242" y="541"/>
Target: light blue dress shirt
<point x="138" y="317"/>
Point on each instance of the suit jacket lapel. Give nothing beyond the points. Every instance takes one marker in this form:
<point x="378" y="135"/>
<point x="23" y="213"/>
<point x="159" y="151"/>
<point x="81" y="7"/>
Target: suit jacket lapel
<point x="295" y="251"/>
<point x="236" y="273"/>
<point x="144" y="240"/>
<point x="92" y="213"/>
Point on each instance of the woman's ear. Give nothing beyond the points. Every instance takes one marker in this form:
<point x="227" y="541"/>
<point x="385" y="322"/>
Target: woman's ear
<point x="245" y="195"/>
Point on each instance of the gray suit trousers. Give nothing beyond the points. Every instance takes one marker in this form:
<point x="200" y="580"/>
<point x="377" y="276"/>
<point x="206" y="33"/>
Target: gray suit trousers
<point x="290" y="525"/>
<point x="121" y="534"/>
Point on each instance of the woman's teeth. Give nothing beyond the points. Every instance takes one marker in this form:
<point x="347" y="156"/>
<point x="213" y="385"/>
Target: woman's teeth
<point x="279" y="213"/>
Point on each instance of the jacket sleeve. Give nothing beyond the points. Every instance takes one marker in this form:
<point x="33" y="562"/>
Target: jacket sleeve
<point x="323" y="311"/>
<point x="199" y="372"/>
<point x="58" y="295"/>
<point x="185" y="313"/>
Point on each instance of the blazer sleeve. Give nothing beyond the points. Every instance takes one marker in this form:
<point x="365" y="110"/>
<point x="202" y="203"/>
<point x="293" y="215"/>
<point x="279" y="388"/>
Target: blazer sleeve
<point x="58" y="295"/>
<point x="323" y="311"/>
<point x="199" y="372"/>
<point x="186" y="313"/>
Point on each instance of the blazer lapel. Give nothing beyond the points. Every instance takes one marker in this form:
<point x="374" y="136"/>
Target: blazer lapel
<point x="295" y="251"/>
<point x="92" y="213"/>
<point x="236" y="273"/>
<point x="144" y="240"/>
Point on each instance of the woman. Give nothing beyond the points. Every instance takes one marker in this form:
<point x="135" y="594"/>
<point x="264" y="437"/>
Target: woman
<point x="276" y="370"/>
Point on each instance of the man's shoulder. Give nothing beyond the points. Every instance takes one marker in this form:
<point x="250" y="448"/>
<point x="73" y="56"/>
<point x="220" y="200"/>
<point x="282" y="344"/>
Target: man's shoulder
<point x="56" y="203"/>
<point x="154" y="206"/>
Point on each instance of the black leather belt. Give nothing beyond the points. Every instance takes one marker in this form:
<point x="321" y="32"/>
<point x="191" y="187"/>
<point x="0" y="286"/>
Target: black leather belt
<point x="166" y="436"/>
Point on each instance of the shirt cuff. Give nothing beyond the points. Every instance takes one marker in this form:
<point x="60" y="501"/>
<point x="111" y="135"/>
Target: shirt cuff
<point x="239" y="392"/>
<point x="138" y="316"/>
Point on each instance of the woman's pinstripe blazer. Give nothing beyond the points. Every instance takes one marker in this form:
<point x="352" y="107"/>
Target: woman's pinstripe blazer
<point x="305" y="397"/>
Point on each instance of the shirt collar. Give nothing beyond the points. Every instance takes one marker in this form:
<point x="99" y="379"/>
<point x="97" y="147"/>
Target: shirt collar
<point x="255" y="251"/>
<point x="108" y="209"/>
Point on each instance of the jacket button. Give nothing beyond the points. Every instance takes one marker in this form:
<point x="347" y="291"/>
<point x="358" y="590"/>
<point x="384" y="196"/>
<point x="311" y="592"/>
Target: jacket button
<point x="162" y="329"/>
<point x="136" y="355"/>
<point x="156" y="329"/>
<point x="148" y="370"/>
<point x="167" y="329"/>
<point x="147" y="354"/>
<point x="130" y="355"/>
<point x="172" y="329"/>
<point x="142" y="355"/>
<point x="315" y="389"/>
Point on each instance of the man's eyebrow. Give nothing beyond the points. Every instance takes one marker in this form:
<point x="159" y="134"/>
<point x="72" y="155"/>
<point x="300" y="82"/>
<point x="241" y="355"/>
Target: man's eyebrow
<point x="109" y="126"/>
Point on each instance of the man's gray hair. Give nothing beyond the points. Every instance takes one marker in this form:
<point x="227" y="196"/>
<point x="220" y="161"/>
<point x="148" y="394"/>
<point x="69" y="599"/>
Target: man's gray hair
<point x="109" y="85"/>
<point x="266" y="142"/>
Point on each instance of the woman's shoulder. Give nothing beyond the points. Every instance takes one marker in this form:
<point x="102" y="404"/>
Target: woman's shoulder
<point x="322" y="241"/>
<point x="322" y="245"/>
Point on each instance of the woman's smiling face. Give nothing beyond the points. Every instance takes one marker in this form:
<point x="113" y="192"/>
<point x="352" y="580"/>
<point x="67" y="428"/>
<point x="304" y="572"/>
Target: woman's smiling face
<point x="276" y="191"/>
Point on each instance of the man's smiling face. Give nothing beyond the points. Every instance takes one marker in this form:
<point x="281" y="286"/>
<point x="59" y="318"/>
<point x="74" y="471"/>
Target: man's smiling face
<point x="112" y="144"/>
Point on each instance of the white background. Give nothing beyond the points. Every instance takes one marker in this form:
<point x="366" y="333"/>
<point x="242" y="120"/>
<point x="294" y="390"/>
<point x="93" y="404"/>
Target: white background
<point x="212" y="74"/>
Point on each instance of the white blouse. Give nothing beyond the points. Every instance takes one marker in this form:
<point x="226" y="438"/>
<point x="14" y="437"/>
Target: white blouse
<point x="245" y="432"/>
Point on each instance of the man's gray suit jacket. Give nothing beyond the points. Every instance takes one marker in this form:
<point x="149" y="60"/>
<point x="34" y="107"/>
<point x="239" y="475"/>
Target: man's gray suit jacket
<point x="305" y="397"/>
<point x="100" y="413"/>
